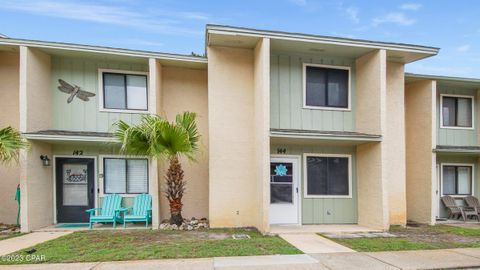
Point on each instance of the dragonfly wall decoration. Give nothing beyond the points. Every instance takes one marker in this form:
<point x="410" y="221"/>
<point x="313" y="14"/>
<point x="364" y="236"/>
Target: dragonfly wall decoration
<point x="74" y="91"/>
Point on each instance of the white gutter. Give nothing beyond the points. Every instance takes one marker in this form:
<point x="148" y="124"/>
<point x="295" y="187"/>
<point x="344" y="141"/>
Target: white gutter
<point x="297" y="135"/>
<point x="99" y="49"/>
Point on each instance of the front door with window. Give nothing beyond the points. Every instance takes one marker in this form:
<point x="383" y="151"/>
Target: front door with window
<point x="284" y="191"/>
<point x="75" y="188"/>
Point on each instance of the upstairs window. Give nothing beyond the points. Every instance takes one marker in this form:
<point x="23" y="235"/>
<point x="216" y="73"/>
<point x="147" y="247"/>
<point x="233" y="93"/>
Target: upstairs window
<point x="326" y="87"/>
<point x="457" y="111"/>
<point x="123" y="91"/>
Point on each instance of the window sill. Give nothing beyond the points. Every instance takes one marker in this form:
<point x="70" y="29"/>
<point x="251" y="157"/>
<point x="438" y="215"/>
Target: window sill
<point x="126" y="111"/>
<point x="326" y="108"/>
<point x="457" y="128"/>
<point x="327" y="196"/>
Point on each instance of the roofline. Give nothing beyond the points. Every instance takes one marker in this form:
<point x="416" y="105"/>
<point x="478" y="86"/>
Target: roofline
<point x="224" y="29"/>
<point x="441" y="77"/>
<point x="102" y="49"/>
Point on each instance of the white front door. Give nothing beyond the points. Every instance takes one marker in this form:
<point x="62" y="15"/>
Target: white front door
<point x="284" y="190"/>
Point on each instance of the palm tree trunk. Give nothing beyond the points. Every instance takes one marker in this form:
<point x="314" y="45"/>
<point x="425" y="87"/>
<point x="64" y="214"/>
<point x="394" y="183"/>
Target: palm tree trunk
<point x="174" y="191"/>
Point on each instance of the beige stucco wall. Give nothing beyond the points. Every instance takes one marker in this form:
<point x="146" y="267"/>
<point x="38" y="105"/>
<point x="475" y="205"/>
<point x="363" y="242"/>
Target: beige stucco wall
<point x="35" y="114"/>
<point x="35" y="90"/>
<point x="394" y="141"/>
<point x="261" y="77"/>
<point x="371" y="118"/>
<point x="9" y="173"/>
<point x="37" y="188"/>
<point x="233" y="193"/>
<point x="420" y="99"/>
<point x="183" y="90"/>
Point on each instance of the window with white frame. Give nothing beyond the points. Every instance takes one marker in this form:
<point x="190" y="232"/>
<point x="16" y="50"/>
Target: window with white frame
<point x="457" y="179"/>
<point x="457" y="111"/>
<point x="326" y="87"/>
<point x="124" y="91"/>
<point x="125" y="176"/>
<point x="327" y="176"/>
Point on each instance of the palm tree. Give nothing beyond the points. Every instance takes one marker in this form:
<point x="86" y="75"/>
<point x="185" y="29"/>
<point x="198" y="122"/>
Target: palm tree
<point x="156" y="137"/>
<point x="11" y="142"/>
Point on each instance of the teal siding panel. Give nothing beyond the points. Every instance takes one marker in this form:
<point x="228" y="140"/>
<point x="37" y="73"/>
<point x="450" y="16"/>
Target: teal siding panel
<point x="286" y="101"/>
<point x="457" y="137"/>
<point x="80" y="115"/>
<point x="325" y="210"/>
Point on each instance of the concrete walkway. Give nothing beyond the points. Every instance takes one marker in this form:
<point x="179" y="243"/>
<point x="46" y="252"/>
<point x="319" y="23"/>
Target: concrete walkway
<point x="20" y="242"/>
<point x="313" y="243"/>
<point x="417" y="259"/>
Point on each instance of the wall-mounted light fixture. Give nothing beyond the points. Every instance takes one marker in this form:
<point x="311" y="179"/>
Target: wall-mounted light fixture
<point x="45" y="160"/>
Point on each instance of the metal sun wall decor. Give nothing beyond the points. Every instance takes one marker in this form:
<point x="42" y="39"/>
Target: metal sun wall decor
<point x="74" y="91"/>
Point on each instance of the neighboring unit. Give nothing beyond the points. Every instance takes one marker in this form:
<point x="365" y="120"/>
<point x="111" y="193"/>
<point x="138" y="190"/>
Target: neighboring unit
<point x="443" y="146"/>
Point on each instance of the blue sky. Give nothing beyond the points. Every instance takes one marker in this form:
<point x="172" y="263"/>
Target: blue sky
<point x="178" y="26"/>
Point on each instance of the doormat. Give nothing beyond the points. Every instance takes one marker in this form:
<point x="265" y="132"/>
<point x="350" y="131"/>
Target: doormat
<point x="72" y="225"/>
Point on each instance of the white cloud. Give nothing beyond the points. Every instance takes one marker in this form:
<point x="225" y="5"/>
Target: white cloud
<point x="411" y="6"/>
<point x="167" y="22"/>
<point x="353" y="14"/>
<point x="301" y="3"/>
<point x="394" y="17"/>
<point x="464" y="48"/>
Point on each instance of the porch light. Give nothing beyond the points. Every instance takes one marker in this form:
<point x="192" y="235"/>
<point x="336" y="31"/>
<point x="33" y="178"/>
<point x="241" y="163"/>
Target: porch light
<point x="45" y="160"/>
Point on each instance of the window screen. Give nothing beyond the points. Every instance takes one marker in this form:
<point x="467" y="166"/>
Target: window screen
<point x="125" y="176"/>
<point x="125" y="91"/>
<point x="457" y="180"/>
<point x="327" y="176"/>
<point x="326" y="87"/>
<point x="457" y="111"/>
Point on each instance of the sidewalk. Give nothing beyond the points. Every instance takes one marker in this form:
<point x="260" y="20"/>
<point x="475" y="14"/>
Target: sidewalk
<point x="20" y="242"/>
<point x="415" y="259"/>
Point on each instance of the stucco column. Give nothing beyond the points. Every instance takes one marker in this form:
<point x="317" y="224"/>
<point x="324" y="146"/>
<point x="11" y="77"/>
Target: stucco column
<point x="262" y="129"/>
<point x="371" y="85"/>
<point x="421" y="134"/>
<point x="154" y="190"/>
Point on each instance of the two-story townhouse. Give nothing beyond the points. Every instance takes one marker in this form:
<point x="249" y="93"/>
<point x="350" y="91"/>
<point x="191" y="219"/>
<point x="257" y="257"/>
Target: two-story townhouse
<point x="443" y="147"/>
<point x="73" y="160"/>
<point x="296" y="129"/>
<point x="306" y="129"/>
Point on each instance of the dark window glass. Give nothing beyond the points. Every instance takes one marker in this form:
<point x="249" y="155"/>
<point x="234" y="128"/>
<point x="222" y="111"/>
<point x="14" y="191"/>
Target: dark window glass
<point x="326" y="87"/>
<point x="457" y="180"/>
<point x="125" y="91"/>
<point x="457" y="111"/>
<point x="281" y="182"/>
<point x="327" y="176"/>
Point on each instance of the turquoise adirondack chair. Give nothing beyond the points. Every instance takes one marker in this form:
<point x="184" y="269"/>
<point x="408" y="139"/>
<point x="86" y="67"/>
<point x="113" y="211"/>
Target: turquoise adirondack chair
<point x="141" y="211"/>
<point x="109" y="212"/>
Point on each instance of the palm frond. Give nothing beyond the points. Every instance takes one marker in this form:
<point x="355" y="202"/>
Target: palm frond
<point x="11" y="142"/>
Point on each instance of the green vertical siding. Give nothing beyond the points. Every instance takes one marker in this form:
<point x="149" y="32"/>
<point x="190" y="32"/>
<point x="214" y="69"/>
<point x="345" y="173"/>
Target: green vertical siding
<point x="460" y="137"/>
<point x="458" y="159"/>
<point x="80" y="115"/>
<point x="286" y="94"/>
<point x="314" y="210"/>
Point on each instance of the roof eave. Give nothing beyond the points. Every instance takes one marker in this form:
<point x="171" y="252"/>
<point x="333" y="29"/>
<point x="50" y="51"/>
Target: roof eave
<point x="100" y="49"/>
<point x="229" y="30"/>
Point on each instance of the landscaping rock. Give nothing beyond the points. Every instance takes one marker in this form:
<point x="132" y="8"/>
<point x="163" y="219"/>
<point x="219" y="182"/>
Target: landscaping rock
<point x="187" y="225"/>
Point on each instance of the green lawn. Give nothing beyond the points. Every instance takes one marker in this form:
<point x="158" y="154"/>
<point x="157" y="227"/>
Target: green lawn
<point x="93" y="246"/>
<point x="415" y="238"/>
